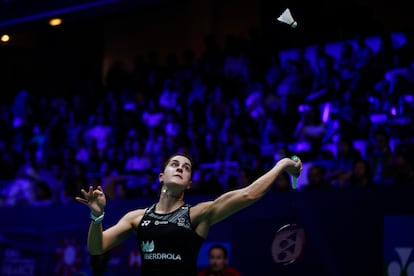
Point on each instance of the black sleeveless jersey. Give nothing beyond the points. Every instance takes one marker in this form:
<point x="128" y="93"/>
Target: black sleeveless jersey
<point x="168" y="243"/>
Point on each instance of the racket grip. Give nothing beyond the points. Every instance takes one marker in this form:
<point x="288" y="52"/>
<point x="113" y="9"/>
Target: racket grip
<point x="294" y="182"/>
<point x="294" y="179"/>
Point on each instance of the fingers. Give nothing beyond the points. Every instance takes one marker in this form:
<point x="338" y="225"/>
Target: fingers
<point x="89" y="194"/>
<point x="99" y="188"/>
<point x="299" y="168"/>
<point x="86" y="193"/>
<point x="81" y="200"/>
<point x="297" y="165"/>
<point x="298" y="162"/>
<point x="97" y="194"/>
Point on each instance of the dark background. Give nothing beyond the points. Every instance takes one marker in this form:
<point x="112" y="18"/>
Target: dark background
<point x="346" y="230"/>
<point x="97" y="33"/>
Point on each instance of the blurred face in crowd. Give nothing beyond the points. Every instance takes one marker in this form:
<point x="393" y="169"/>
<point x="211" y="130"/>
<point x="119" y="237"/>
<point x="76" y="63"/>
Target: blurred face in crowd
<point x="217" y="259"/>
<point x="381" y="141"/>
<point x="343" y="146"/>
<point x="360" y="169"/>
<point x="315" y="175"/>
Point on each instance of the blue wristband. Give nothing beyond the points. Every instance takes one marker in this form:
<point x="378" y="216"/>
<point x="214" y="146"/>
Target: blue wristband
<point x="96" y="219"/>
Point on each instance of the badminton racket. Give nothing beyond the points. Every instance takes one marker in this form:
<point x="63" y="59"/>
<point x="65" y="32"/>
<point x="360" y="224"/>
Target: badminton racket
<point x="289" y="240"/>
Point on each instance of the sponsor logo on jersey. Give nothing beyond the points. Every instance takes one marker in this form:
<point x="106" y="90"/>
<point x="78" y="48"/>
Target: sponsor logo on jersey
<point x="145" y="223"/>
<point x="162" y="256"/>
<point x="147" y="248"/>
<point x="181" y="222"/>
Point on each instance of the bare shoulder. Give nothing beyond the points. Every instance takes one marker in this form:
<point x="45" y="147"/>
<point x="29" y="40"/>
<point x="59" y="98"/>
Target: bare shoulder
<point x="135" y="213"/>
<point x="134" y="217"/>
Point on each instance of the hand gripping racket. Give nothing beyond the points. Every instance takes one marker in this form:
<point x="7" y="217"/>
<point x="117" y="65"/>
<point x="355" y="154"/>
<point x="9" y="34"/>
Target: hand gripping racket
<point x="289" y="240"/>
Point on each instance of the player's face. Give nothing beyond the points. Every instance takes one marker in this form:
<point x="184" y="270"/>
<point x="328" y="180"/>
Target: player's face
<point x="178" y="171"/>
<point x="217" y="260"/>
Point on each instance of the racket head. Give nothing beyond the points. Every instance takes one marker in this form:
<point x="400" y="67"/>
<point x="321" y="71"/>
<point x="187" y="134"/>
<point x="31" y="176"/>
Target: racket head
<point x="288" y="244"/>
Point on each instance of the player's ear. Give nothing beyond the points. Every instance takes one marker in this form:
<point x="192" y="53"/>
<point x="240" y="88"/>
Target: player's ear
<point x="161" y="177"/>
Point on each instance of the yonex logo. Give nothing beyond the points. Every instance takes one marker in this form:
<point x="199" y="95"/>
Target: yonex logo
<point x="181" y="222"/>
<point x="288" y="245"/>
<point x="403" y="267"/>
<point x="145" y="223"/>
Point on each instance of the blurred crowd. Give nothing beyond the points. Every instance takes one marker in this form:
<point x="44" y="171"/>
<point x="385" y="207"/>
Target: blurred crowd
<point x="235" y="109"/>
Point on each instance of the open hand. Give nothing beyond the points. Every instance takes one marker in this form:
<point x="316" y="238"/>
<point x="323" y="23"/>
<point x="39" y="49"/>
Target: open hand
<point x="94" y="198"/>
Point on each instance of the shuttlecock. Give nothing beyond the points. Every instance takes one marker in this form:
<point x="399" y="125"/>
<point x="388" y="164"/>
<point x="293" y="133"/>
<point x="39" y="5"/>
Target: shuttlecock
<point x="286" y="17"/>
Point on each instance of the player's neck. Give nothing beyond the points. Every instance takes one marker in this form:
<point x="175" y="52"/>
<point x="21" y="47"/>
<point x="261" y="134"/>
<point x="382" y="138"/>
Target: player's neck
<point x="168" y="203"/>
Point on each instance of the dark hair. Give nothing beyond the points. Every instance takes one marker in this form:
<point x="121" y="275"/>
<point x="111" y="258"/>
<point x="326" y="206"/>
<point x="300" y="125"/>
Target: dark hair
<point x="218" y="246"/>
<point x="164" y="165"/>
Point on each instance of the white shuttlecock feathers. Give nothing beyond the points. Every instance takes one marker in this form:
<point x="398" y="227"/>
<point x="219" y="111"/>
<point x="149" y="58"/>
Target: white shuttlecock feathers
<point x="286" y="17"/>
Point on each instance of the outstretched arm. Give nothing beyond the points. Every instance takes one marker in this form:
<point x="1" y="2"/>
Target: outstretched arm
<point x="209" y="213"/>
<point x="100" y="241"/>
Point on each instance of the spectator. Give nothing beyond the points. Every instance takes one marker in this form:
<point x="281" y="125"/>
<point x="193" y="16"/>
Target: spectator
<point x="361" y="176"/>
<point x="218" y="263"/>
<point x="99" y="130"/>
<point x="341" y="165"/>
<point x="283" y="183"/>
<point x="22" y="190"/>
<point x="403" y="173"/>
<point x="310" y="129"/>
<point x="316" y="177"/>
<point x="380" y="156"/>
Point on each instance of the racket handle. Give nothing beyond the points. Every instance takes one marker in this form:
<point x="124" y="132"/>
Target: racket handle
<point x="294" y="182"/>
<point x="294" y="178"/>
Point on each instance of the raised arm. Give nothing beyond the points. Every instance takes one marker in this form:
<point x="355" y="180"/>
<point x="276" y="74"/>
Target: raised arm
<point x="100" y="241"/>
<point x="209" y="213"/>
